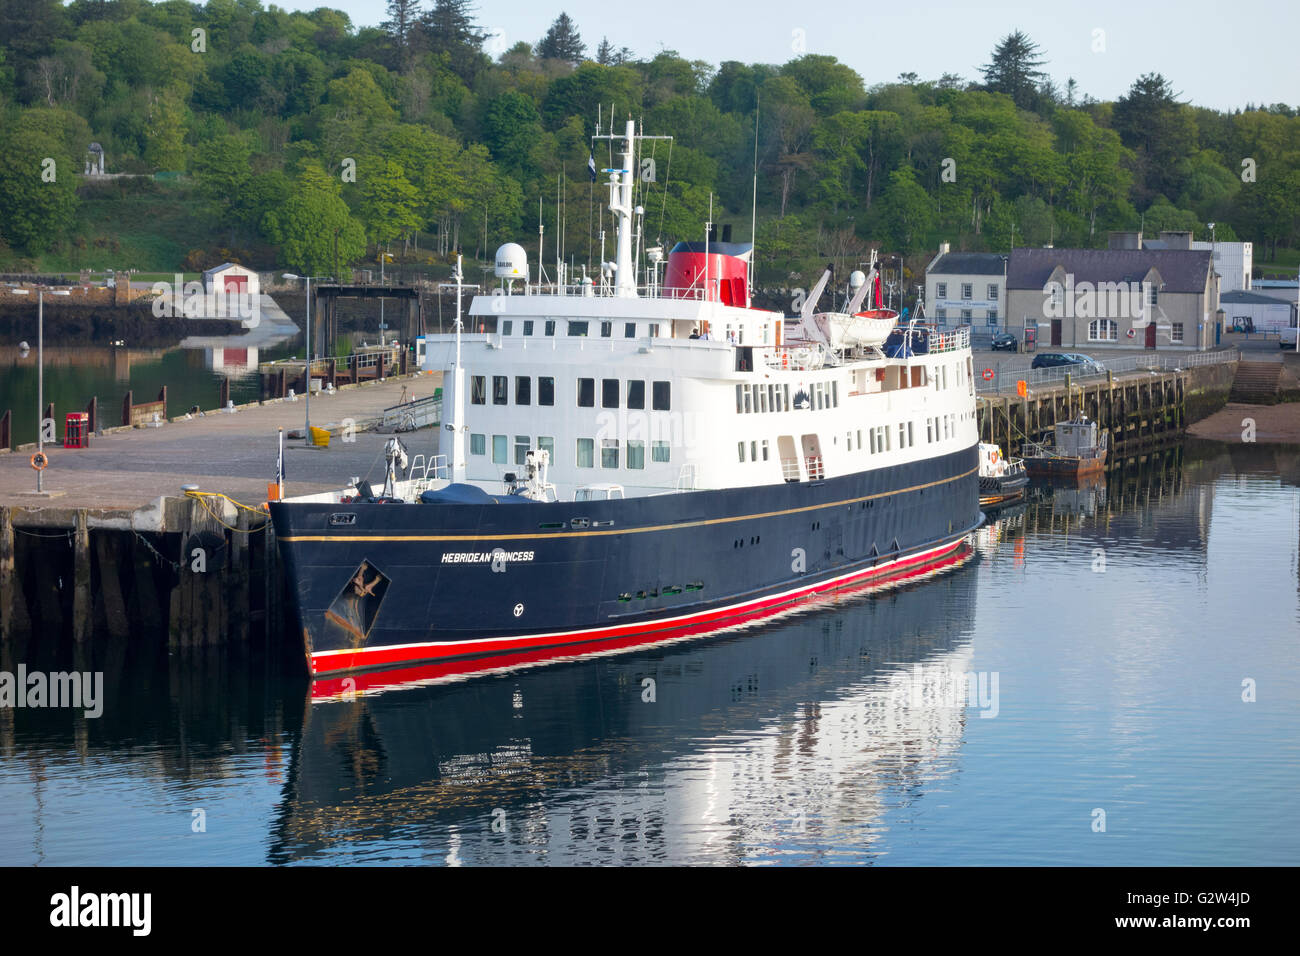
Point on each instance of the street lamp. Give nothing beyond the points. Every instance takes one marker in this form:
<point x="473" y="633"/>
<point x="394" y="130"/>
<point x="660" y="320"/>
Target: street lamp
<point x="291" y="276"/>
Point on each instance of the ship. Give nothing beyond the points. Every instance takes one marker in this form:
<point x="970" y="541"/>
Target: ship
<point x="638" y="456"/>
<point x="1077" y="449"/>
<point x="1002" y="480"/>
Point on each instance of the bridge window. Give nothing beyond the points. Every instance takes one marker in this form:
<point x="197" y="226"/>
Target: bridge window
<point x="606" y="329"/>
<point x="609" y="393"/>
<point x="636" y="454"/>
<point x="635" y="393"/>
<point x="499" y="449"/>
<point x="522" y="444"/>
<point x="500" y="392"/>
<point x="753" y="451"/>
<point x="586" y="393"/>
<point x="765" y="449"/>
<point x="659" y="451"/>
<point x="477" y="390"/>
<point x="586" y="453"/>
<point x="550" y="326"/>
<point x="740" y="451"/>
<point x="523" y="390"/>
<point x="507" y="327"/>
<point x="629" y="330"/>
<point x="740" y="401"/>
<point x="528" y="326"/>
<point x="545" y="390"/>
<point x="609" y="453"/>
<point x="577" y="328"/>
<point x="662" y="398"/>
<point x="478" y="444"/>
<point x="546" y="443"/>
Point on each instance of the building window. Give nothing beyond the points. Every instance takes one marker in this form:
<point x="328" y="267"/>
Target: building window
<point x="499" y="449"/>
<point x="528" y="326"/>
<point x="586" y="393"/>
<point x="993" y="316"/>
<point x="659" y="451"/>
<point x="477" y="390"/>
<point x="1176" y="332"/>
<point x="662" y="396"/>
<point x="636" y="454"/>
<point x="609" y="453"/>
<point x="993" y="292"/>
<point x="478" y="444"/>
<point x="523" y="390"/>
<point x="941" y="316"/>
<point x="654" y="330"/>
<point x="507" y="327"/>
<point x="1153" y="294"/>
<point x="636" y="393"/>
<point x="586" y="453"/>
<point x="941" y="290"/>
<point x="609" y="393"/>
<point x="629" y="330"/>
<point x="967" y="315"/>
<point x="1103" y="330"/>
<point x="522" y="444"/>
<point x="1056" y="295"/>
<point x="550" y="326"/>
<point x="500" y="390"/>
<point x="606" y="329"/>
<point x="546" y="443"/>
<point x="967" y="290"/>
<point x="545" y="390"/>
<point x="577" y="328"/>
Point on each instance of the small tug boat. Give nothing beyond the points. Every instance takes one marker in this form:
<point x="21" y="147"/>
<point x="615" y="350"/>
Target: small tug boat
<point x="1078" y="448"/>
<point x="1002" y="480"/>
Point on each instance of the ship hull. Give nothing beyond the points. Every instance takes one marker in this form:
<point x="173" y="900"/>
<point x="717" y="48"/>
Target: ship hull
<point x="390" y="585"/>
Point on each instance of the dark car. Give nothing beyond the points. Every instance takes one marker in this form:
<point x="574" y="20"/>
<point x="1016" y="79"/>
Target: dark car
<point x="1005" y="342"/>
<point x="1059" y="359"/>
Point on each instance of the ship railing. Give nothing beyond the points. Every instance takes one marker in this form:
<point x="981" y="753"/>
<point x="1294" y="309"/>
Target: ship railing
<point x="687" y="478"/>
<point x="816" y="468"/>
<point x="799" y="358"/>
<point x="949" y="340"/>
<point x="433" y="467"/>
<point x="608" y="290"/>
<point x="790" y="469"/>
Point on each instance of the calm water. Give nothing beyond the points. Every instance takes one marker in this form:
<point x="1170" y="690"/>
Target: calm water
<point x="827" y="737"/>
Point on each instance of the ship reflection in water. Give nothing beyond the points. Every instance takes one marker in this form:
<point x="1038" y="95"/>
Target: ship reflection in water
<point x="787" y="742"/>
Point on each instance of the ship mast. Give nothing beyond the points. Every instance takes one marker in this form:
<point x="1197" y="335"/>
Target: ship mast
<point x="620" y="203"/>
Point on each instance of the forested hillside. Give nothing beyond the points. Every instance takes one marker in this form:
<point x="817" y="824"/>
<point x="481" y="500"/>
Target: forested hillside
<point x="301" y="141"/>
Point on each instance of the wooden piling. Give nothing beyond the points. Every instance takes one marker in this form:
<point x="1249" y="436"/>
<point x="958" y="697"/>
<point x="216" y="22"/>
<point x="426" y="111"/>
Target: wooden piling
<point x="82" y="607"/>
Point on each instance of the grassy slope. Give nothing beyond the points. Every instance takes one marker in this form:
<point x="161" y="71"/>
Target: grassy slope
<point x="153" y="232"/>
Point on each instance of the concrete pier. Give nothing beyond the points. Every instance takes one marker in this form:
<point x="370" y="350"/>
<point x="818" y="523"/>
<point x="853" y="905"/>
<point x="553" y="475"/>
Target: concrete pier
<point x="118" y="559"/>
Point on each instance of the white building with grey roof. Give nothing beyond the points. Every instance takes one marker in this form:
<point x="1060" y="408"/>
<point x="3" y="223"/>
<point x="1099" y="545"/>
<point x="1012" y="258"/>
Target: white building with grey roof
<point x="966" y="288"/>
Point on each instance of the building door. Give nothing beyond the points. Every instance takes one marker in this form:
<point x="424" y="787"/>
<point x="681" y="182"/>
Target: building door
<point x="237" y="284"/>
<point x="1056" y="331"/>
<point x="1151" y="335"/>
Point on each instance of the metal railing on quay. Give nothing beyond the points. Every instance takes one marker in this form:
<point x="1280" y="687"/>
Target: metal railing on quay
<point x="1006" y="381"/>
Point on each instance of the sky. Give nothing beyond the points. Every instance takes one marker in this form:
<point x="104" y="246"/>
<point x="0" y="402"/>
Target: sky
<point x="1217" y="54"/>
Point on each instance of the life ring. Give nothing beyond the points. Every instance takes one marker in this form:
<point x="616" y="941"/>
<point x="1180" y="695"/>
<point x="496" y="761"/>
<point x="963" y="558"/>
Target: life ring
<point x="1131" y="333"/>
<point x="993" y="458"/>
<point x="40" y="460"/>
<point x="988" y="375"/>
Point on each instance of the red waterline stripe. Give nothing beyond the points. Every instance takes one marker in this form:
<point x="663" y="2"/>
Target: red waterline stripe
<point x="542" y="646"/>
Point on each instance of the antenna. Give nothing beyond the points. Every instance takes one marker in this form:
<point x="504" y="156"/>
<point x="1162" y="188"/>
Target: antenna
<point x="753" y="215"/>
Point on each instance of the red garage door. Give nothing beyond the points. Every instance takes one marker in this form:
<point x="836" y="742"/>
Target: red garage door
<point x="236" y="283"/>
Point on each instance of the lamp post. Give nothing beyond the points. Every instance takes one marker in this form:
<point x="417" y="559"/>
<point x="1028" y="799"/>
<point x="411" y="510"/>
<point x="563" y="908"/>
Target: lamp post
<point x="40" y="378"/>
<point x="290" y="275"/>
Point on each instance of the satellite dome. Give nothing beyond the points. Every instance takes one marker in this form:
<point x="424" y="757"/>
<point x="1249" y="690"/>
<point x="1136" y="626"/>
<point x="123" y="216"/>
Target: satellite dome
<point x="512" y="262"/>
<point x="856" y="278"/>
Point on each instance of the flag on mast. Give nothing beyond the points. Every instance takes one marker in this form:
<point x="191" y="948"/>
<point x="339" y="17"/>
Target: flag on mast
<point x="591" y="166"/>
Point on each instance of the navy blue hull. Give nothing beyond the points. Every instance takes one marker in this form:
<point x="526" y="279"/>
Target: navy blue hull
<point x="377" y="585"/>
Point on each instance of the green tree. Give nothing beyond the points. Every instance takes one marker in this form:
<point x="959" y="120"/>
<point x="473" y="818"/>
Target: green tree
<point x="906" y="211"/>
<point x="562" y="42"/>
<point x="310" y="221"/>
<point x="1150" y="120"/>
<point x="165" y="132"/>
<point x="1014" y="69"/>
<point x="37" y="189"/>
<point x="389" y="202"/>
